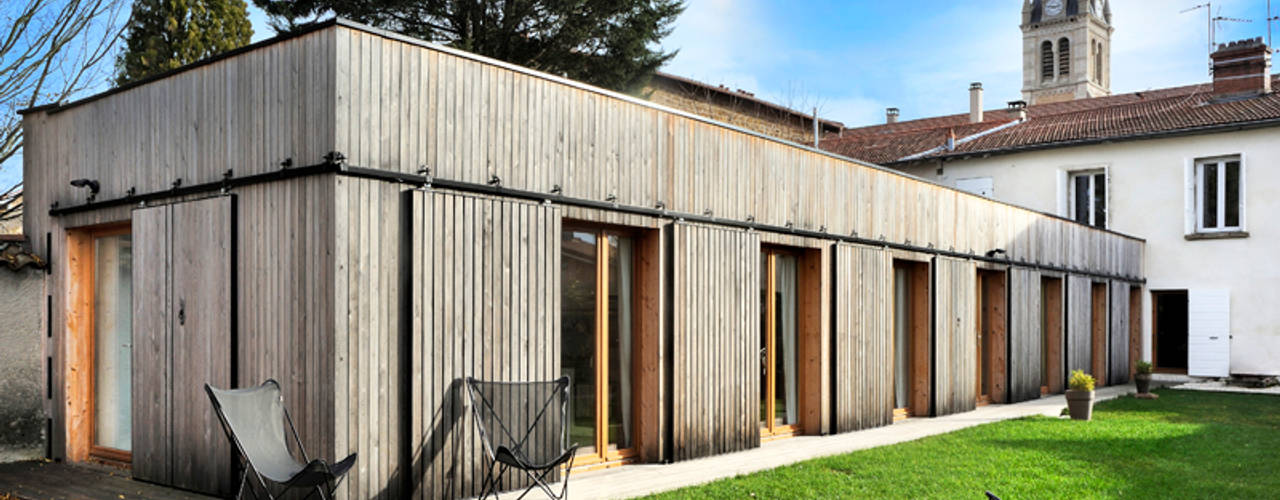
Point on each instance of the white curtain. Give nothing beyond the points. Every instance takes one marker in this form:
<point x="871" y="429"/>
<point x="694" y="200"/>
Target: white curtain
<point x="786" y="283"/>
<point x="624" y="337"/>
<point x="900" y="354"/>
<point x="113" y="341"/>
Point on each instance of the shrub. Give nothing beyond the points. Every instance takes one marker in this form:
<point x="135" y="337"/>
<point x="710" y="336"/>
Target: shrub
<point x="1143" y="367"/>
<point x="1080" y="381"/>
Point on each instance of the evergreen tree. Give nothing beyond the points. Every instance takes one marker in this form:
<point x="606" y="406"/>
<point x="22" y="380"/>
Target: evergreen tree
<point x="609" y="43"/>
<point x="167" y="34"/>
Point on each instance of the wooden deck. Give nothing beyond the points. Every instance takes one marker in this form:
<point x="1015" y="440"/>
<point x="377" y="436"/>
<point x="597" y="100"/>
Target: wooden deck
<point x="55" y="480"/>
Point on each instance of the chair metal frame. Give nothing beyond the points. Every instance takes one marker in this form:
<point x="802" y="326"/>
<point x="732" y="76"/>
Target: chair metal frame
<point x="491" y="481"/>
<point x="245" y="464"/>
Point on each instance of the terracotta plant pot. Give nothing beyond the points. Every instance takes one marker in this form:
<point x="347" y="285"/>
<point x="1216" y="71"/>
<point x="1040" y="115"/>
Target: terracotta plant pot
<point x="1143" y="381"/>
<point x="1080" y="404"/>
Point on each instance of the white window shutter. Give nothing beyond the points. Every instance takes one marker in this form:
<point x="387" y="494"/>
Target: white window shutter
<point x="1208" y="332"/>
<point x="1189" y="198"/>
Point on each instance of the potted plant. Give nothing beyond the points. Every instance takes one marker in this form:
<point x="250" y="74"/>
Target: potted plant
<point x="1143" y="378"/>
<point x="1080" y="395"/>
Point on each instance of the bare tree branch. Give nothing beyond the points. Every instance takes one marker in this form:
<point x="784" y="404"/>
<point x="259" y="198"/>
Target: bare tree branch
<point x="50" y="51"/>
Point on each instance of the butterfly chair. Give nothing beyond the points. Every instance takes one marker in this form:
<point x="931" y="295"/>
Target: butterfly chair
<point x="524" y="427"/>
<point x="254" y="419"/>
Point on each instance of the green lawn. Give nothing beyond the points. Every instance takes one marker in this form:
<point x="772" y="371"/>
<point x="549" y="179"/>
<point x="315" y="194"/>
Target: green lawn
<point x="1184" y="445"/>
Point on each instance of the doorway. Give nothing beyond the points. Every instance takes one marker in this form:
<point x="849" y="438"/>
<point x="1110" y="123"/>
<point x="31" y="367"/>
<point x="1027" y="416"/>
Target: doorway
<point x="1051" y="335"/>
<point x="1098" y="334"/>
<point x="1169" y="331"/>
<point x="779" y="392"/>
<point x="992" y="336"/>
<point x="910" y="339"/>
<point x="100" y="344"/>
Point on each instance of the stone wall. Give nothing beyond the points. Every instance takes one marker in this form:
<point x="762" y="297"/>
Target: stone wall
<point x="21" y="381"/>
<point x="738" y="112"/>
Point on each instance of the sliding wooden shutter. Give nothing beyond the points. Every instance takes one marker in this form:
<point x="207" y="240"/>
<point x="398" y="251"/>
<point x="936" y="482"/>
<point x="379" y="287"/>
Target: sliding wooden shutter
<point x="863" y="337"/>
<point x="183" y="320"/>
<point x="483" y="284"/>
<point x="1119" y="333"/>
<point x="1025" y="335"/>
<point x="955" y="333"/>
<point x="715" y="319"/>
<point x="151" y="358"/>
<point x="1079" y="324"/>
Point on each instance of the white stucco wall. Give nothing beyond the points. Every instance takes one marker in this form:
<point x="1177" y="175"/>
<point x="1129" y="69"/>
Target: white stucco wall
<point x="1146" y="199"/>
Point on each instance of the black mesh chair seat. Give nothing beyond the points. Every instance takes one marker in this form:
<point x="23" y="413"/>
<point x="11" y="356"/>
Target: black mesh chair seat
<point x="514" y="459"/>
<point x="254" y="419"/>
<point x="523" y="426"/>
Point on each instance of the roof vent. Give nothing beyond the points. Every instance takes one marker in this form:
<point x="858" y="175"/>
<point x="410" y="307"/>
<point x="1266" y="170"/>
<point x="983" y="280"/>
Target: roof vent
<point x="891" y="115"/>
<point x="1018" y="109"/>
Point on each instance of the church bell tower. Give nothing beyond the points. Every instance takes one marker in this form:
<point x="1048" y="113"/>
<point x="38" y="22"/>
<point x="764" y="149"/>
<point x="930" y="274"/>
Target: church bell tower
<point x="1066" y="50"/>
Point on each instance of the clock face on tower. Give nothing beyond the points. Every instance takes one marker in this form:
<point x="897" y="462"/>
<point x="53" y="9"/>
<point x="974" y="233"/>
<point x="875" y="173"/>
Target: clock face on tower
<point x="1053" y="7"/>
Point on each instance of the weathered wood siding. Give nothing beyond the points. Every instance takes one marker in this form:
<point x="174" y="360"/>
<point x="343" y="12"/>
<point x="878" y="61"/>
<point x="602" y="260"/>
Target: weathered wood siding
<point x="955" y="336"/>
<point x="368" y="355"/>
<point x="284" y="297"/>
<point x="863" y="337"/>
<point x="1118" y="333"/>
<point x="1026" y="349"/>
<point x="1079" y="325"/>
<point x="186" y="342"/>
<point x="715" y="338"/>
<point x="403" y="105"/>
<point x="483" y="282"/>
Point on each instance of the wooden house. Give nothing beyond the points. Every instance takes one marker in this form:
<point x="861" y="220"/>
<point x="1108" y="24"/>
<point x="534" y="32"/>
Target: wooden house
<point x="367" y="218"/>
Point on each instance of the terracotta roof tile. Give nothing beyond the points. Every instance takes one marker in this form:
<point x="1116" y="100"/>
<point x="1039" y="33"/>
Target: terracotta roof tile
<point x="1101" y="118"/>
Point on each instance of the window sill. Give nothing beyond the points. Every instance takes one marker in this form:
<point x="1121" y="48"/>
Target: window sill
<point x="1220" y="235"/>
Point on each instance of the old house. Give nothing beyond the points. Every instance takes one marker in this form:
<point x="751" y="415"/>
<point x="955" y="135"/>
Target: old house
<point x="367" y="218"/>
<point x="737" y="107"/>
<point x="1182" y="167"/>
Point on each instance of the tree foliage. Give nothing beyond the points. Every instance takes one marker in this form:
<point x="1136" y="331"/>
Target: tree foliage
<point x="610" y="43"/>
<point x="167" y="34"/>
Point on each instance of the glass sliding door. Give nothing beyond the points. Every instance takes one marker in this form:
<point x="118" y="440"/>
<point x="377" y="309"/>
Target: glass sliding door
<point x="779" y="400"/>
<point x="112" y="345"/>
<point x="596" y="339"/>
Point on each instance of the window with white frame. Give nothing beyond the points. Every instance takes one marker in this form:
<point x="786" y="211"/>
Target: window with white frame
<point x="1219" y="184"/>
<point x="1087" y="196"/>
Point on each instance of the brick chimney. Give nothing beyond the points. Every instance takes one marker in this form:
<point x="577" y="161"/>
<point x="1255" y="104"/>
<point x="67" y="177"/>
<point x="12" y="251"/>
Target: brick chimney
<point x="891" y="115"/>
<point x="975" y="102"/>
<point x="1242" y="69"/>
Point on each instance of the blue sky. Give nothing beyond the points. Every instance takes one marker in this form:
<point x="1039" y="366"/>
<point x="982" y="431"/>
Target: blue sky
<point x="852" y="59"/>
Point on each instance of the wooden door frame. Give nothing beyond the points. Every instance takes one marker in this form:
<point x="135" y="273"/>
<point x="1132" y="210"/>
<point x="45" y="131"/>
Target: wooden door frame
<point x="80" y="346"/>
<point x="643" y="327"/>
<point x="1098" y="351"/>
<point x="1054" y="334"/>
<point x="993" y="309"/>
<point x="1135" y="328"/>
<point x="918" y="337"/>
<point x="771" y="430"/>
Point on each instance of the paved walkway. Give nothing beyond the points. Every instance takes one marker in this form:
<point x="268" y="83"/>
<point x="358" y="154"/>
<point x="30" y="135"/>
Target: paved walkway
<point x="635" y="480"/>
<point x="1221" y="386"/>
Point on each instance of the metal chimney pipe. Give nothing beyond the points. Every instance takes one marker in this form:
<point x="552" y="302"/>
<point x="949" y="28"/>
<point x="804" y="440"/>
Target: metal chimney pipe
<point x="975" y="102"/>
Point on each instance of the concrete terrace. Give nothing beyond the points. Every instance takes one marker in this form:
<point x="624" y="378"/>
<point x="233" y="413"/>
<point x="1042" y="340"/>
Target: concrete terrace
<point x="643" y="479"/>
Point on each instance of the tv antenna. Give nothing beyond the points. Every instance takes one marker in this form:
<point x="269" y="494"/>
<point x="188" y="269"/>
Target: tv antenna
<point x="1269" y="19"/>
<point x="1214" y="21"/>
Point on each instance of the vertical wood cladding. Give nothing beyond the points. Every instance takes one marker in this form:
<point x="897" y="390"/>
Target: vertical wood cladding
<point x="955" y="336"/>
<point x="483" y="282"/>
<point x="715" y="334"/>
<point x="1118" y="333"/>
<point x="1079" y="324"/>
<point x="863" y="337"/>
<point x="1026" y="349"/>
